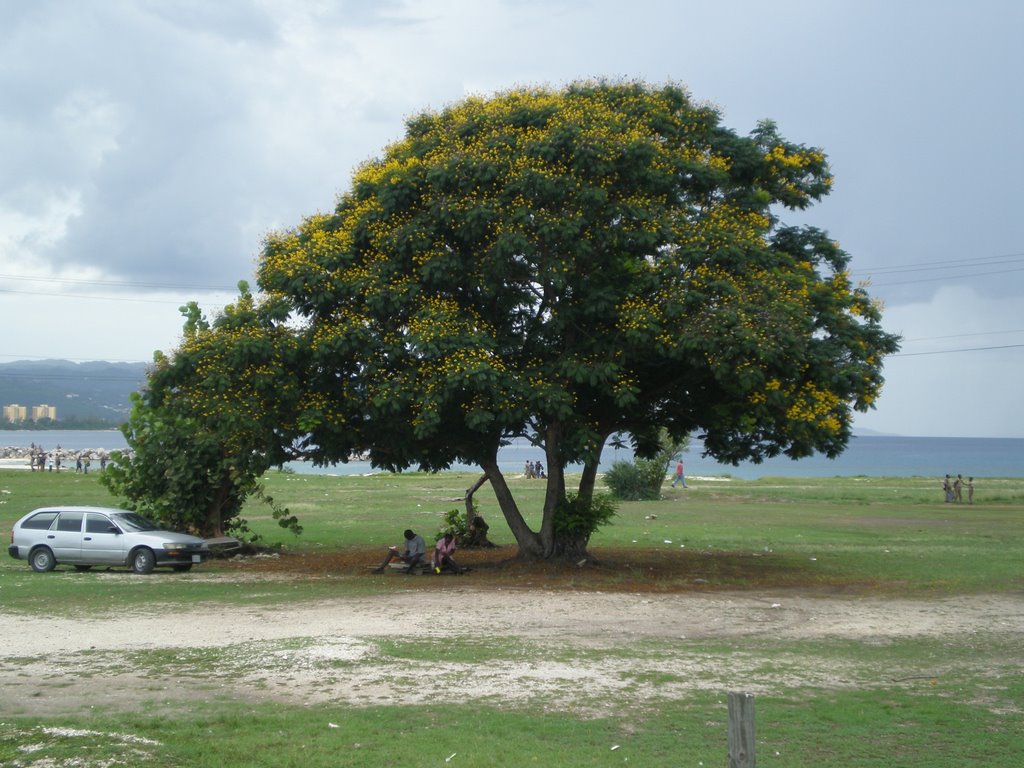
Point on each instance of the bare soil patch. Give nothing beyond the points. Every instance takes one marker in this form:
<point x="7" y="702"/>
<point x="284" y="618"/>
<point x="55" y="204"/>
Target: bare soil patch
<point x="671" y="569"/>
<point x="491" y="636"/>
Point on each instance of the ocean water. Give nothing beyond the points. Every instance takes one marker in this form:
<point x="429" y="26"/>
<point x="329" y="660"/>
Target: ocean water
<point x="872" y="456"/>
<point x="67" y="439"/>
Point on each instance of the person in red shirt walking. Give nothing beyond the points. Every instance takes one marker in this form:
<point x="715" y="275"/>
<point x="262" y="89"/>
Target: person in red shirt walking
<point x="679" y="478"/>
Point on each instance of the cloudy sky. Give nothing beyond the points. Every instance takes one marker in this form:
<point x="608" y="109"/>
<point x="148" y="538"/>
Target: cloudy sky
<point x="147" y="146"/>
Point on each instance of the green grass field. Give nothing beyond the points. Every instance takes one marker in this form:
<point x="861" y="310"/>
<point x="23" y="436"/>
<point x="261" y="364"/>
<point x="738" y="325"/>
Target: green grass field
<point x="938" y="700"/>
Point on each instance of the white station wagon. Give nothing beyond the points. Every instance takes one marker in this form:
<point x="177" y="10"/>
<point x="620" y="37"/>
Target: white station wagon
<point x="88" y="536"/>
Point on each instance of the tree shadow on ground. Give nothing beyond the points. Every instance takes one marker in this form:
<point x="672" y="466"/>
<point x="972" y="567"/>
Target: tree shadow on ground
<point x="613" y="569"/>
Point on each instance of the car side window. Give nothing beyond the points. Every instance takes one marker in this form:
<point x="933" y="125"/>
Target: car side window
<point x="70" y="521"/>
<point x="98" y="524"/>
<point x="40" y="522"/>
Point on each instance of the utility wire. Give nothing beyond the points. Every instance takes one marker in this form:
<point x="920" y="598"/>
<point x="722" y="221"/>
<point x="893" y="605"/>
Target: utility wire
<point x="955" y="351"/>
<point x="117" y="283"/>
<point x="98" y="298"/>
<point x="1009" y="258"/>
<point x="946" y="278"/>
<point x="963" y="335"/>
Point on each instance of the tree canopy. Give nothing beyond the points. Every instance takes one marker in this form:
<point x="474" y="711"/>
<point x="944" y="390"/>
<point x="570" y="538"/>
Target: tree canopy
<point x="567" y="265"/>
<point x="214" y="416"/>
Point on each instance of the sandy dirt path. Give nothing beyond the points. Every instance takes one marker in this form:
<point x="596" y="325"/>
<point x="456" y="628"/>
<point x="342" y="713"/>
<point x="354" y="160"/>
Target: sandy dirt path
<point x="563" y="648"/>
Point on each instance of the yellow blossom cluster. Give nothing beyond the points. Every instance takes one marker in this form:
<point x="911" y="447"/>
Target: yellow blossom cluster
<point x="722" y="225"/>
<point x="817" y="406"/>
<point x="438" y="318"/>
<point x="639" y="313"/>
<point x="225" y="382"/>
<point x="780" y="157"/>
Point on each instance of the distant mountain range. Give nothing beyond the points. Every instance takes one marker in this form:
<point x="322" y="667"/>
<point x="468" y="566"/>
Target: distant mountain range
<point x="81" y="392"/>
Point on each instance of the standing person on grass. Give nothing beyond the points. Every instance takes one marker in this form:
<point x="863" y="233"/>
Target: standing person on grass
<point x="415" y="549"/>
<point x="679" y="478"/>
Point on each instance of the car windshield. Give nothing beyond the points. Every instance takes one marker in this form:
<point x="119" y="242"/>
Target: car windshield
<point x="136" y="522"/>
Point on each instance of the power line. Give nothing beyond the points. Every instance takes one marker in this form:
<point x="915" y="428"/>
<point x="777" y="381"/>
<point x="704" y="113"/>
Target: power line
<point x="85" y="296"/>
<point x="946" y="278"/>
<point x="118" y="283"/>
<point x="963" y="335"/>
<point x="955" y="351"/>
<point x="1007" y="258"/>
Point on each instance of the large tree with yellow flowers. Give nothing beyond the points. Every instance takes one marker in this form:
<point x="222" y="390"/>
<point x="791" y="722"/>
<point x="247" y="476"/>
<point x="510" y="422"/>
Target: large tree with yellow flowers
<point x="568" y="265"/>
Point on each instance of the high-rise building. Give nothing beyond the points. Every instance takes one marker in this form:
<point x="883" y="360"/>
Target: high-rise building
<point x="14" y="413"/>
<point x="44" y="412"/>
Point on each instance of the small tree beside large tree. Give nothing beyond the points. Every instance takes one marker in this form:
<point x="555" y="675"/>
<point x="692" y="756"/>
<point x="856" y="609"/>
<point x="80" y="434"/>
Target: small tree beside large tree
<point x="214" y="416"/>
<point x="568" y="265"/>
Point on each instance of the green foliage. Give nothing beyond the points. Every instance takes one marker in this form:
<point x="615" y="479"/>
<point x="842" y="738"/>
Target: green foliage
<point x="642" y="478"/>
<point x="681" y="302"/>
<point x="213" y="417"/>
<point x="636" y="480"/>
<point x="567" y="265"/>
<point x="578" y="518"/>
<point x="455" y="523"/>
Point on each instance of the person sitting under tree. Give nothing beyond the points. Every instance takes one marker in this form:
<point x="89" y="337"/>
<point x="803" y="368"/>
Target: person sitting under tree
<point x="415" y="549"/>
<point x="443" y="551"/>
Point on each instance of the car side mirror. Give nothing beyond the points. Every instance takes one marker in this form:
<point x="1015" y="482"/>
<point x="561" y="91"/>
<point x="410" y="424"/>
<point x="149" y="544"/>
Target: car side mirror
<point x="114" y="529"/>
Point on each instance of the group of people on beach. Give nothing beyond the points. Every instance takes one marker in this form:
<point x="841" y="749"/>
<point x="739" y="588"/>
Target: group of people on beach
<point x="954" y="489"/>
<point x="41" y="461"/>
<point x="533" y="469"/>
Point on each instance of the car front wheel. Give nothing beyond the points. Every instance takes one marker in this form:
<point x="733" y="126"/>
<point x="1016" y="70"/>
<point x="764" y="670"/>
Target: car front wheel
<point x="42" y="560"/>
<point x="143" y="561"/>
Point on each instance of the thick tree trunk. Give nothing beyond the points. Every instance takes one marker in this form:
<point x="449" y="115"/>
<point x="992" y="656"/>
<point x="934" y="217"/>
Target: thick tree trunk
<point x="548" y="543"/>
<point x="554" y="493"/>
<point x="589" y="479"/>
<point x="213" y="524"/>
<point x="528" y="541"/>
<point x="569" y="548"/>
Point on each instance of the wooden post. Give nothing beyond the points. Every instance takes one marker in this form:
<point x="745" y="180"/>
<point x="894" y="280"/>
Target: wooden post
<point x="741" y="730"/>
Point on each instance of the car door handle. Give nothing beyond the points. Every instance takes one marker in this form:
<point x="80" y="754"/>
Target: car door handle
<point x="87" y="538"/>
<point x="50" y="536"/>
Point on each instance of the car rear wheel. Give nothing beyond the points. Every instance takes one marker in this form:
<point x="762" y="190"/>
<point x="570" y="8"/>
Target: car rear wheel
<point x="42" y="560"/>
<point x="143" y="560"/>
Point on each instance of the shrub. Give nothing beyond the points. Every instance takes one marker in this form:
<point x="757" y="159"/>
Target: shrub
<point x="641" y="479"/>
<point x="454" y="522"/>
<point x="578" y="518"/>
<point x="637" y="480"/>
